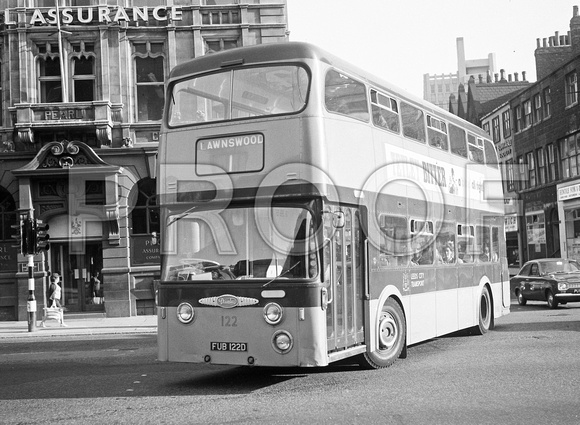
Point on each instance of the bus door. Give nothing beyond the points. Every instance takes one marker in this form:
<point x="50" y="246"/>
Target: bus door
<point x="346" y="259"/>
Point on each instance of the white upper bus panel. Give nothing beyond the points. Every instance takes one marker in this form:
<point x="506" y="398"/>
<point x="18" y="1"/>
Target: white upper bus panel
<point x="239" y="93"/>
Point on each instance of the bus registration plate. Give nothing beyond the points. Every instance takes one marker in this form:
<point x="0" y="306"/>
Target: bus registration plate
<point x="229" y="346"/>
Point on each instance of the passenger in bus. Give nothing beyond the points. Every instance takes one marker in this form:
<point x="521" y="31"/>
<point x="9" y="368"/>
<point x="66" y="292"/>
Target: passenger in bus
<point x="485" y="256"/>
<point x="448" y="254"/>
<point x="421" y="257"/>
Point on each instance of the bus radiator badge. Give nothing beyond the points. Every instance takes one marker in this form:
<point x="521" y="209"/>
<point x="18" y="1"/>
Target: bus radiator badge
<point x="228" y="301"/>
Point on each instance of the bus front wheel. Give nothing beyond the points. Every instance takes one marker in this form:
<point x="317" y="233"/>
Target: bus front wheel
<point x="391" y="336"/>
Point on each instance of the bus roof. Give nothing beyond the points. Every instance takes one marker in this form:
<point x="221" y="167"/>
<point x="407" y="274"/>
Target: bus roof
<point x="288" y="51"/>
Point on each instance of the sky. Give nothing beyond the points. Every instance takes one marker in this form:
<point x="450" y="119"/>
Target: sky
<point x="401" y="40"/>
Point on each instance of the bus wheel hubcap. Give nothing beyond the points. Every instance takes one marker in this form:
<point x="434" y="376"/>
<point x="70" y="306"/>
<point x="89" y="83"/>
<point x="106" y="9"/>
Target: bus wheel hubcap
<point x="387" y="332"/>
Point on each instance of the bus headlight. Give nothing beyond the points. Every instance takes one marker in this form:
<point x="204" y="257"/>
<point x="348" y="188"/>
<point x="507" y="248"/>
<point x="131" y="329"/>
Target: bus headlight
<point x="185" y="313"/>
<point x="282" y="342"/>
<point x="273" y="313"/>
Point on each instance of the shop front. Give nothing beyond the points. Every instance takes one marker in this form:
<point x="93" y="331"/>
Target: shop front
<point x="569" y="208"/>
<point x="540" y="224"/>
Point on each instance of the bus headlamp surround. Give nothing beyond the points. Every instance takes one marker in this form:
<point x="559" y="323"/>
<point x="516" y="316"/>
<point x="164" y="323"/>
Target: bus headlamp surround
<point x="273" y="313"/>
<point x="185" y="313"/>
<point x="282" y="342"/>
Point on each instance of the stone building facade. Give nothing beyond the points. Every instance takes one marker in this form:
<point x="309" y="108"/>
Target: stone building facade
<point x="82" y="94"/>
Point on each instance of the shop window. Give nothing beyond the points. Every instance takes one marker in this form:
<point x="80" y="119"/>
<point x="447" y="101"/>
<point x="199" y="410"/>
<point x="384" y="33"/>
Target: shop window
<point x="572" y="227"/>
<point x="49" y="73"/>
<point x="536" y="234"/>
<point x="150" y="76"/>
<point x="145" y="214"/>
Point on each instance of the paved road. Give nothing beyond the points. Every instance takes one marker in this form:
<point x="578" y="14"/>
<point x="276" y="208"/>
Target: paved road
<point x="526" y="371"/>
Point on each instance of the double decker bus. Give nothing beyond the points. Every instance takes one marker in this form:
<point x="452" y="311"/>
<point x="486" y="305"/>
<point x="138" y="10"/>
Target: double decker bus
<point x="313" y="212"/>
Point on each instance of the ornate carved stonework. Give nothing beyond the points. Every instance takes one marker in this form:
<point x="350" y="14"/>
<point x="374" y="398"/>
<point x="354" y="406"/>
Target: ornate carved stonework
<point x="65" y="154"/>
<point x="26" y="135"/>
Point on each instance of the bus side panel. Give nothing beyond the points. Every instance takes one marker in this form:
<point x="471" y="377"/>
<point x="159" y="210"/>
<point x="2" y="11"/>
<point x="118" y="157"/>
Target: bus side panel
<point x="447" y="300"/>
<point x="423" y="314"/>
<point x="465" y="297"/>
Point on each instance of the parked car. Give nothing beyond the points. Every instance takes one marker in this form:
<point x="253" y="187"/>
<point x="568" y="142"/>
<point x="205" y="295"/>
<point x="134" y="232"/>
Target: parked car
<point x="554" y="280"/>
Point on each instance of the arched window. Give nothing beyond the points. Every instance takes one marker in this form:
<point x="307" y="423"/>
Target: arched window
<point x="145" y="214"/>
<point x="8" y="215"/>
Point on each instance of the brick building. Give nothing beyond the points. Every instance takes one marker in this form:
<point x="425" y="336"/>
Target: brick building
<point x="81" y="89"/>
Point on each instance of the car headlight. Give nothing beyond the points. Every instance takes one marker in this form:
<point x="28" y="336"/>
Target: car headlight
<point x="273" y="313"/>
<point x="185" y="313"/>
<point x="562" y="286"/>
<point x="282" y="342"/>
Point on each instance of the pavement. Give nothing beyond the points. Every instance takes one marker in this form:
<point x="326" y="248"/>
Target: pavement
<point x="78" y="325"/>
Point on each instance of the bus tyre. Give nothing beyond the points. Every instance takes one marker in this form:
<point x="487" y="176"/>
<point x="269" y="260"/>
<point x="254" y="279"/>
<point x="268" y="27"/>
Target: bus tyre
<point x="485" y="312"/>
<point x="392" y="334"/>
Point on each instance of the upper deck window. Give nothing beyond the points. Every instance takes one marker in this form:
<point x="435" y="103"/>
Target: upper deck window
<point x="239" y="93"/>
<point x="413" y="122"/>
<point x="457" y="139"/>
<point x="475" y="148"/>
<point x="437" y="133"/>
<point x="385" y="111"/>
<point x="345" y="96"/>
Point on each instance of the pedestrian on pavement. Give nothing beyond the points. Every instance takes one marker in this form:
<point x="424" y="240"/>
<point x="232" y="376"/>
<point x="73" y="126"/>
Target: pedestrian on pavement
<point x="54" y="291"/>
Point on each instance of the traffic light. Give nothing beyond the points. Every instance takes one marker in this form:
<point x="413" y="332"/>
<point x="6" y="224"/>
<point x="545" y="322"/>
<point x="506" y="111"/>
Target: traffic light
<point x="18" y="234"/>
<point x="41" y="236"/>
<point x="29" y="236"/>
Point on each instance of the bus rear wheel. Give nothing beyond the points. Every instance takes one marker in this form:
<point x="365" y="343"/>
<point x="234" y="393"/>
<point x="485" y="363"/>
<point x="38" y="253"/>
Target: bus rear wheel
<point x="485" y="312"/>
<point x="392" y="334"/>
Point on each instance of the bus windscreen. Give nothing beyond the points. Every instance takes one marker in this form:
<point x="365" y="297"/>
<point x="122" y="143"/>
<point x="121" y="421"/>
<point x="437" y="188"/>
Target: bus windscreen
<point x="241" y="243"/>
